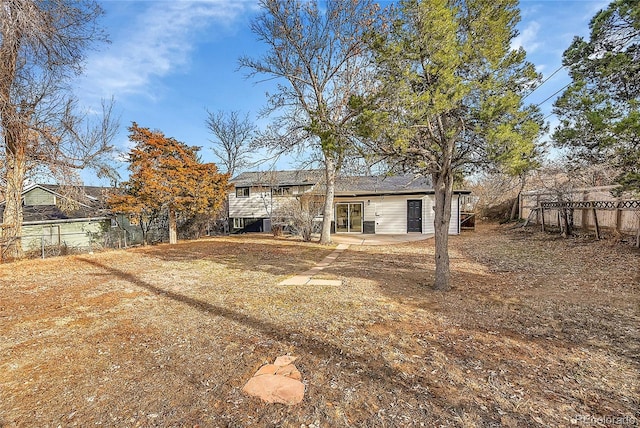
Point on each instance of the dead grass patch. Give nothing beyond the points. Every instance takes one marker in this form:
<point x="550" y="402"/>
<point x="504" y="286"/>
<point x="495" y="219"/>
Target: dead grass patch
<point x="536" y="332"/>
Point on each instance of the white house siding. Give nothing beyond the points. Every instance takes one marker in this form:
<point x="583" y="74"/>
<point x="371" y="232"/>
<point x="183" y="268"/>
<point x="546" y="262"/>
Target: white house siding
<point x="428" y="214"/>
<point x="259" y="204"/>
<point x="454" y="226"/>
<point x="390" y="212"/>
<point x="251" y="207"/>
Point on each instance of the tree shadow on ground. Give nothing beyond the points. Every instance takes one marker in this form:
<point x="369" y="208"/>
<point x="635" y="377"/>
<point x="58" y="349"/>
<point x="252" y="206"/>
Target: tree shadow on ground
<point x="368" y="368"/>
<point x="378" y="369"/>
<point x="275" y="257"/>
<point x="455" y="350"/>
<point x="491" y="301"/>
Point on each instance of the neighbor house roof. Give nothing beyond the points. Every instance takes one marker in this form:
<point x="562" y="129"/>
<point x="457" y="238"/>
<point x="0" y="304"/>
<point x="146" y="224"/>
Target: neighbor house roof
<point x="37" y="213"/>
<point x="91" y="195"/>
<point x="90" y="203"/>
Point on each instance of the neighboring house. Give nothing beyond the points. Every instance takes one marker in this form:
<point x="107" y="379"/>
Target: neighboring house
<point x="51" y="218"/>
<point x="379" y="204"/>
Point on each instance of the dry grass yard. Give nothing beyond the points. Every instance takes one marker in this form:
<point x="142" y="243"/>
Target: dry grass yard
<point x="537" y="332"/>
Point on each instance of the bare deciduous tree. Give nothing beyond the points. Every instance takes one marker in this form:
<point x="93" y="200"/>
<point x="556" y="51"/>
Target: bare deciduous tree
<point x="299" y="214"/>
<point x="318" y="54"/>
<point x="232" y="136"/>
<point x="42" y="47"/>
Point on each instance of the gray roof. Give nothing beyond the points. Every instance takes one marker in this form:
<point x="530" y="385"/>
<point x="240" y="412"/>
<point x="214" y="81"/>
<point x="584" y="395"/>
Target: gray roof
<point x="278" y="178"/>
<point x="90" y="204"/>
<point x="93" y="196"/>
<point x="345" y="185"/>
<point x="406" y="183"/>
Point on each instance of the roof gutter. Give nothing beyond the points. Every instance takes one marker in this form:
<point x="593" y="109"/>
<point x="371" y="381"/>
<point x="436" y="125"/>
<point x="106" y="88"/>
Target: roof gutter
<point x="399" y="193"/>
<point x="64" y="220"/>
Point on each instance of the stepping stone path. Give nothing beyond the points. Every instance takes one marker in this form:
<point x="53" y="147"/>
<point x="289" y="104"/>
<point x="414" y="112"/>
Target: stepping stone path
<point x="279" y="382"/>
<point x="306" y="278"/>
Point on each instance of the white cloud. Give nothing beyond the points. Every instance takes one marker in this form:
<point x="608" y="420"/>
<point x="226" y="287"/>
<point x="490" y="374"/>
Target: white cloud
<point x="154" y="44"/>
<point x="528" y="38"/>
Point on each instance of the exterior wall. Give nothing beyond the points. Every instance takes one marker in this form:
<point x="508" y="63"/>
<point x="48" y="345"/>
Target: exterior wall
<point x="37" y="196"/>
<point x="390" y="212"/>
<point x="454" y="225"/>
<point x="250" y="207"/>
<point x="76" y="234"/>
<point x="124" y="233"/>
<point x="257" y="205"/>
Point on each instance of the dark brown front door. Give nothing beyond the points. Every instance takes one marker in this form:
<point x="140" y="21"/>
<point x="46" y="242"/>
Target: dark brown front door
<point x="414" y="215"/>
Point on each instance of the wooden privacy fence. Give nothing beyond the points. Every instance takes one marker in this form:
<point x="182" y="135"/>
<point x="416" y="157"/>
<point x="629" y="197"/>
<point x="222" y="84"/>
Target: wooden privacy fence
<point x="620" y="215"/>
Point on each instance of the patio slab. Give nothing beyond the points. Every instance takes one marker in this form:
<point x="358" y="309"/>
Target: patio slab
<point x="379" y="239"/>
<point x="306" y="278"/>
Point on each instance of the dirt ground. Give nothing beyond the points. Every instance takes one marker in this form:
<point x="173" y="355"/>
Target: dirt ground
<point x="537" y="331"/>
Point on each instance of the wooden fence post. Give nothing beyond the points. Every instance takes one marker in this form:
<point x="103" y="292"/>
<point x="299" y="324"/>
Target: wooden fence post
<point x="583" y="214"/>
<point x="559" y="221"/>
<point x="542" y="216"/>
<point x="595" y="220"/>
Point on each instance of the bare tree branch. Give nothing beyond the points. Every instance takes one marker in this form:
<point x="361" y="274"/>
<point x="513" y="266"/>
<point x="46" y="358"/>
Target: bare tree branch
<point x="232" y="137"/>
<point x="42" y="46"/>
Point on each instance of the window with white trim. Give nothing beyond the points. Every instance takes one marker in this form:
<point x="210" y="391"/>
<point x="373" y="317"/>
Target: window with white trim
<point x="242" y="192"/>
<point x="281" y="191"/>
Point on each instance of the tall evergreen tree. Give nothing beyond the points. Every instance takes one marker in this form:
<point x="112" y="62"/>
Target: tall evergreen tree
<point x="600" y="111"/>
<point x="450" y="97"/>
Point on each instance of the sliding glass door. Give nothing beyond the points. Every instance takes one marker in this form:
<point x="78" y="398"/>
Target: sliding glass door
<point x="349" y="217"/>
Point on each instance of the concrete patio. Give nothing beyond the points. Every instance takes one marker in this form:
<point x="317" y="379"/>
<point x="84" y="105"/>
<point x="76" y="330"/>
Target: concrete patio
<point x="370" y="239"/>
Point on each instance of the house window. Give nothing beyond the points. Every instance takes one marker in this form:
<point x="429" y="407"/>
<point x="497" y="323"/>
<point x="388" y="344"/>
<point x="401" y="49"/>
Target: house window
<point x="242" y="192"/>
<point x="281" y="191"/>
<point x="238" y="223"/>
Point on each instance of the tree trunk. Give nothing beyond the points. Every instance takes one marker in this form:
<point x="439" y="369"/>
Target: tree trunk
<point x="13" y="215"/>
<point x="14" y="133"/>
<point x="566" y="226"/>
<point x="14" y="175"/>
<point x="516" y="204"/>
<point x="173" y="227"/>
<point x="145" y="231"/>
<point x="443" y="183"/>
<point x="327" y="212"/>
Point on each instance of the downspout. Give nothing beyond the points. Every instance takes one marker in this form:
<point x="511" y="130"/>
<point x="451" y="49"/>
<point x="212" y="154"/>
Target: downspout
<point x="458" y="214"/>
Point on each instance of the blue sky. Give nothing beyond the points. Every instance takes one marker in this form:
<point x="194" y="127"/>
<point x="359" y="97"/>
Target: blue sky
<point x="169" y="61"/>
